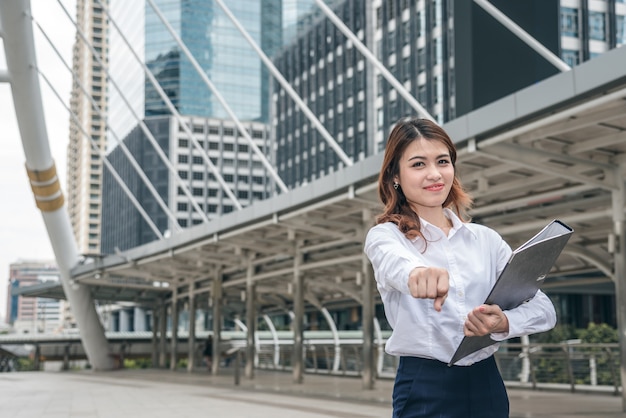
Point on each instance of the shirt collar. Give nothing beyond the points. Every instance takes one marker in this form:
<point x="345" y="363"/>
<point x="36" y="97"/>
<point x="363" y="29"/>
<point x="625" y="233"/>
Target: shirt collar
<point x="457" y="224"/>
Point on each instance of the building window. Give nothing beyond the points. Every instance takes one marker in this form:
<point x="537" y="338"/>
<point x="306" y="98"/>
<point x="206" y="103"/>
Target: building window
<point x="570" y="57"/>
<point x="620" y="32"/>
<point x="197" y="191"/>
<point x="183" y="143"/>
<point x="597" y="25"/>
<point x="569" y="22"/>
<point x="183" y="159"/>
<point x="182" y="206"/>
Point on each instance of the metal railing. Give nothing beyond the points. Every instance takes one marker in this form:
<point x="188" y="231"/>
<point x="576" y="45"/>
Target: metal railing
<point x="568" y="366"/>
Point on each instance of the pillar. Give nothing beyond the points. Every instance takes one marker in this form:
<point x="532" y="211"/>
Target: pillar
<point x="191" y="355"/>
<point x="162" y="335"/>
<point x="216" y="296"/>
<point x="367" y="280"/>
<point x="250" y="320"/>
<point x="155" y="335"/>
<point x="298" y="320"/>
<point x="174" y="341"/>
<point x="619" y="260"/>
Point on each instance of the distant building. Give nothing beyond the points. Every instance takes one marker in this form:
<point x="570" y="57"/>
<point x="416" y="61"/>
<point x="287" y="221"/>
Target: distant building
<point x="84" y="168"/>
<point x="241" y="169"/>
<point x="34" y="314"/>
<point x="220" y="50"/>
<point x="452" y="56"/>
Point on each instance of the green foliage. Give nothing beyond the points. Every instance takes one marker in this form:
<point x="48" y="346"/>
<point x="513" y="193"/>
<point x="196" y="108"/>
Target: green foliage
<point x="25" y="364"/>
<point x="599" y="334"/>
<point x="556" y="335"/>
<point x="606" y="362"/>
<point x="140" y="363"/>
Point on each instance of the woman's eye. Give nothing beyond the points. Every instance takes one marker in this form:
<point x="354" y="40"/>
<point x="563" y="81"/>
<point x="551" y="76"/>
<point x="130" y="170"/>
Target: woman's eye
<point x="444" y="162"/>
<point x="418" y="164"/>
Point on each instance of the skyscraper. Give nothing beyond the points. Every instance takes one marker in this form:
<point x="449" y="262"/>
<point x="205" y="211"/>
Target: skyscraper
<point x="452" y="56"/>
<point x="218" y="47"/>
<point x="84" y="167"/>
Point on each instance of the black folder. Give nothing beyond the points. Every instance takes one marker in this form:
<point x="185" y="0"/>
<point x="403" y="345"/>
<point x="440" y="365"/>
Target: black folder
<point x="521" y="278"/>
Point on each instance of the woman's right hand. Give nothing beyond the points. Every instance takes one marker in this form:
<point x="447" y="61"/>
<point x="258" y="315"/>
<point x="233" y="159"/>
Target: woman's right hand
<point x="429" y="283"/>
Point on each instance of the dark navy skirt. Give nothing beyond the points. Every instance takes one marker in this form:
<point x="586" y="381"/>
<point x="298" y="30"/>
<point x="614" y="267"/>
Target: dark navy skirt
<point x="428" y="388"/>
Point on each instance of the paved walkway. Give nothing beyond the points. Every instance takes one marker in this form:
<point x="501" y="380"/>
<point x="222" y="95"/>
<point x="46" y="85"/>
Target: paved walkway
<point x="158" y="393"/>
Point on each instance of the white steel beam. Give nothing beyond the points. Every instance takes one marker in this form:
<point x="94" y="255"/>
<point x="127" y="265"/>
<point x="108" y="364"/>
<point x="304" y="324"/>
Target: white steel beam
<point x="15" y="18"/>
<point x="164" y="158"/>
<point x="4" y="76"/>
<point x="285" y="85"/>
<point x="402" y="91"/>
<point x="105" y="161"/>
<point x="176" y="114"/>
<point x="523" y="35"/>
<point x="218" y="95"/>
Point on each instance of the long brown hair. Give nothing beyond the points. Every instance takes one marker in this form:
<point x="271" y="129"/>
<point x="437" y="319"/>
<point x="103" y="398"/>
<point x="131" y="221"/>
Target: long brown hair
<point x="397" y="209"/>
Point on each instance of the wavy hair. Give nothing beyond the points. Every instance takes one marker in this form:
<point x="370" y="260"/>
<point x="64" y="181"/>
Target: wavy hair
<point x="396" y="208"/>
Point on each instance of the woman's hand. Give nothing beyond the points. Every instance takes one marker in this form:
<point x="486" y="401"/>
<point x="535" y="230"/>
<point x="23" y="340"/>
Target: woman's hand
<point x="429" y="283"/>
<point x="485" y="319"/>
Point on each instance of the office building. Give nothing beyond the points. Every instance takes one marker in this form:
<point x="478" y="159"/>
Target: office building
<point x="220" y="50"/>
<point x="34" y="314"/>
<point x="452" y="56"/>
<point x="88" y="102"/>
<point x="241" y="168"/>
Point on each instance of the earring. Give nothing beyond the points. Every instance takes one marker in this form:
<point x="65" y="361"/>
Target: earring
<point x="396" y="185"/>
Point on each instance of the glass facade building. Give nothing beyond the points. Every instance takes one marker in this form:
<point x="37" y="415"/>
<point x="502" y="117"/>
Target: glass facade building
<point x="240" y="167"/>
<point x="452" y="56"/>
<point x="590" y="27"/>
<point x="228" y="60"/>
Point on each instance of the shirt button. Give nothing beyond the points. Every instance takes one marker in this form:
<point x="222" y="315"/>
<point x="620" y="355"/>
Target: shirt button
<point x="459" y="293"/>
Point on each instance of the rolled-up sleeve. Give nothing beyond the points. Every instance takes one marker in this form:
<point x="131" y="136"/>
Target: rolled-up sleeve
<point x="536" y="315"/>
<point x="391" y="259"/>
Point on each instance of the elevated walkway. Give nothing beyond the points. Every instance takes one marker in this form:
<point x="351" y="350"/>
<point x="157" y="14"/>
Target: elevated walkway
<point x="158" y="393"/>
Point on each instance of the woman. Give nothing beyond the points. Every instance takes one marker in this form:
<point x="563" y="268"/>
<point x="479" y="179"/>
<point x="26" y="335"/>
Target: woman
<point x="434" y="270"/>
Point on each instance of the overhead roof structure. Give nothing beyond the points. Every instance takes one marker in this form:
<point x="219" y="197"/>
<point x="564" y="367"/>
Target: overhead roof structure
<point x="556" y="149"/>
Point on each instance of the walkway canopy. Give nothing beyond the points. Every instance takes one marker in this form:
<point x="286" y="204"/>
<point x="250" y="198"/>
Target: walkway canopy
<point x="555" y="150"/>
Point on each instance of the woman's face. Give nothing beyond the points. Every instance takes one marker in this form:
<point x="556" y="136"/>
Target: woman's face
<point x="426" y="175"/>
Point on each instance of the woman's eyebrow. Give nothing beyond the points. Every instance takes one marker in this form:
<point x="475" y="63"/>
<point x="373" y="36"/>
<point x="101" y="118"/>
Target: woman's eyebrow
<point x="419" y="157"/>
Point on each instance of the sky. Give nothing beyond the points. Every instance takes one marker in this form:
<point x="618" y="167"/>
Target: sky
<point x="23" y="235"/>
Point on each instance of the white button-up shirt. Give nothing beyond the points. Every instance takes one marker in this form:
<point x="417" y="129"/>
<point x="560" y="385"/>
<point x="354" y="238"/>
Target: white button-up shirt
<point x="474" y="256"/>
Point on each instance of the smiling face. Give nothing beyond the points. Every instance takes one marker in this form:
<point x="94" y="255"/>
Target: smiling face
<point x="425" y="176"/>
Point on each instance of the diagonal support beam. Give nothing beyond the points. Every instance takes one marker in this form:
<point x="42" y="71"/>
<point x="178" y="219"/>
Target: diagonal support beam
<point x="535" y="159"/>
<point x="523" y="35"/>
<point x="402" y="91"/>
<point x="218" y="95"/>
<point x="285" y="85"/>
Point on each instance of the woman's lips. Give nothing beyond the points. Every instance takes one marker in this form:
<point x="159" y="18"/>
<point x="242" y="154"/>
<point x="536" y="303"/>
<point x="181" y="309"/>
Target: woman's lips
<point x="435" y="187"/>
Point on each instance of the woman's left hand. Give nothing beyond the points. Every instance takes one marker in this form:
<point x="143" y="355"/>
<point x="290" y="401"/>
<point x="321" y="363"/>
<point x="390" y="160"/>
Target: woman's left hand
<point x="485" y="319"/>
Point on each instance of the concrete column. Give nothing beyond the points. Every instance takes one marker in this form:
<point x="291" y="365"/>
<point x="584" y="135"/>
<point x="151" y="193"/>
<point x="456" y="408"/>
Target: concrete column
<point x="298" y="320"/>
<point x="367" y="280"/>
<point x="162" y="335"/>
<point x="250" y="320"/>
<point x="139" y="319"/>
<point x="619" y="259"/>
<point x="191" y="356"/>
<point x="124" y="320"/>
<point x="37" y="359"/>
<point x="216" y="301"/>
<point x="174" y="341"/>
<point x="155" y="335"/>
